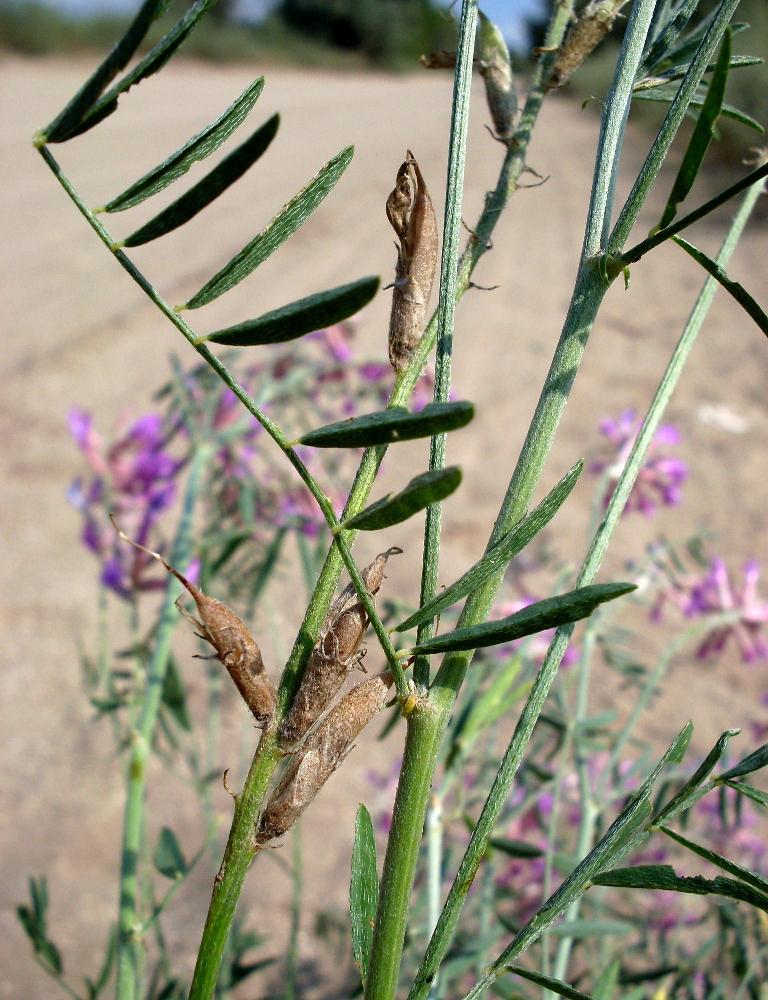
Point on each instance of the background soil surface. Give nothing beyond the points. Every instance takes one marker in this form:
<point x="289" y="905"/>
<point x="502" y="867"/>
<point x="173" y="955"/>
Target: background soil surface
<point x="76" y="331"/>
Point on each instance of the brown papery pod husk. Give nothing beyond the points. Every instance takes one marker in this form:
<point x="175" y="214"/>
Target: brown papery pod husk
<point x="235" y="646"/>
<point x="335" y="655"/>
<point x="440" y="59"/>
<point x="592" y="25"/>
<point x="411" y="215"/>
<point x="322" y="753"/>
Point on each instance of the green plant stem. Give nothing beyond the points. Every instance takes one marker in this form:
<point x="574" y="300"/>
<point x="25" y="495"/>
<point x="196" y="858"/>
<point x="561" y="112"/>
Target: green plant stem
<point x="669" y="127"/>
<point x="446" y="307"/>
<point x="130" y="947"/>
<point x="292" y="961"/>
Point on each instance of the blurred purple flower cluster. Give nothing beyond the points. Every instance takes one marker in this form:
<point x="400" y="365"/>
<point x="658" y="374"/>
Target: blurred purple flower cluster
<point x="661" y="475"/>
<point x="249" y="489"/>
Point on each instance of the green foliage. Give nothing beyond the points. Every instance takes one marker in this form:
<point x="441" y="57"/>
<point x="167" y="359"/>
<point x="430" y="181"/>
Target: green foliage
<point x="386" y="32"/>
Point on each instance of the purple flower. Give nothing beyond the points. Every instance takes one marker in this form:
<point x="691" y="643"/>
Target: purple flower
<point x="661" y="475"/>
<point x="715" y="593"/>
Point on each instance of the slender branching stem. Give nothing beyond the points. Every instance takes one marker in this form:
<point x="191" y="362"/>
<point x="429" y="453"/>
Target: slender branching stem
<point x="130" y="946"/>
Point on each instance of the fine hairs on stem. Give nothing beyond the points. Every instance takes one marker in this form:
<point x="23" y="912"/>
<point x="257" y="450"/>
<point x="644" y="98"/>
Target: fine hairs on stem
<point x="308" y="723"/>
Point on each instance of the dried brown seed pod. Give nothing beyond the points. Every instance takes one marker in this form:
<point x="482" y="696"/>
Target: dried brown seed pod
<point x="496" y="69"/>
<point x="411" y="215"/>
<point x="440" y="59"/>
<point x="335" y="655"/>
<point x="322" y="753"/>
<point x="592" y="25"/>
<point x="235" y="646"/>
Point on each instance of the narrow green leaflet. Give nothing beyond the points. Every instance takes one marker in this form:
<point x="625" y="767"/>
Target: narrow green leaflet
<point x="363" y="890"/>
<point x="657" y="53"/>
<point x="150" y="64"/>
<point x="756" y="794"/>
<point x="64" y="124"/>
<point x="738" y="871"/>
<point x="209" y="188"/>
<point x="34" y="920"/>
<point x="174" y="696"/>
<point x="515" y="848"/>
<point x="549" y="613"/>
<point x="554" y="985"/>
<point x="691" y="790"/>
<point x="738" y="291"/>
<point x="678" y="72"/>
<point x="499" y="556"/>
<point x="665" y="877"/>
<point x="752" y="762"/>
<point x="394" y="424"/>
<point x="301" y="317"/>
<point x="702" y="135"/>
<point x="168" y="858"/>
<point x="95" y="988"/>
<point x="428" y="488"/>
<point x="284" y="224"/>
<point x="197" y="148"/>
<point x="581" y="929"/>
<point x="665" y="96"/>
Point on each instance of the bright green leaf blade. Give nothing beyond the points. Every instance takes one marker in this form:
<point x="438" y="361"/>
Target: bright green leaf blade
<point x="756" y="794"/>
<point x="515" y="848"/>
<point x="691" y="790"/>
<point x="702" y="135"/>
<point x="168" y="858"/>
<point x="428" y="488"/>
<point x="727" y="110"/>
<point x="301" y="317"/>
<point x="497" y="559"/>
<point x="64" y="124"/>
<point x="150" y="64"/>
<point x="665" y="877"/>
<point x="209" y="188"/>
<point x="394" y="424"/>
<point x="752" y="762"/>
<point x="363" y="890"/>
<point x="738" y="871"/>
<point x="197" y="148"/>
<point x="605" y="987"/>
<point x="554" y="985"/>
<point x="738" y="291"/>
<point x="284" y="224"/>
<point x="549" y="613"/>
<point x="174" y="696"/>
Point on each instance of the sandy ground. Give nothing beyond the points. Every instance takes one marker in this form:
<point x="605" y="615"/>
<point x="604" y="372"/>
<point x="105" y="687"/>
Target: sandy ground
<point x="77" y="331"/>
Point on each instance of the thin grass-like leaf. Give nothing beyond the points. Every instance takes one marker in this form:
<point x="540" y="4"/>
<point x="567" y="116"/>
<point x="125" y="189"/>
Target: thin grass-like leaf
<point x="702" y="135"/>
<point x="500" y="555"/>
<point x="363" y="890"/>
<point x="664" y="877"/>
<point x="549" y="613"/>
<point x="752" y="762"/>
<point x="692" y="789"/>
<point x="678" y="72"/>
<point x="301" y="317"/>
<point x="515" y="848"/>
<point x="756" y="794"/>
<point x="665" y="96"/>
<point x="553" y="985"/>
<point x="428" y="488"/>
<point x="63" y="125"/>
<point x="394" y="424"/>
<point x="197" y="148"/>
<point x="738" y="871"/>
<point x="738" y="291"/>
<point x="150" y="64"/>
<point x="209" y="188"/>
<point x="284" y="224"/>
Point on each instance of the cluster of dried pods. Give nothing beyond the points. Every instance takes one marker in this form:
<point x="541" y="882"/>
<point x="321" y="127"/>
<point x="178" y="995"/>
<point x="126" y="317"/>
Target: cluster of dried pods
<point x="335" y="654"/>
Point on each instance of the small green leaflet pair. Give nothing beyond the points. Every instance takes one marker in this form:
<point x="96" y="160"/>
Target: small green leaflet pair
<point x="94" y="102"/>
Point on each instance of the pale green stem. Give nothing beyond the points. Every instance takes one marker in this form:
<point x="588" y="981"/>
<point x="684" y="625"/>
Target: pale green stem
<point x="447" y="306"/>
<point x="292" y="959"/>
<point x="129" y="943"/>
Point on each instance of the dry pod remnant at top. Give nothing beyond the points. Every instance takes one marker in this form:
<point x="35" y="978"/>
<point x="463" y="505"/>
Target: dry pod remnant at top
<point x="591" y="26"/>
<point x="321" y="754"/>
<point x="411" y="215"/>
<point x="235" y="646"/>
<point x="335" y="654"/>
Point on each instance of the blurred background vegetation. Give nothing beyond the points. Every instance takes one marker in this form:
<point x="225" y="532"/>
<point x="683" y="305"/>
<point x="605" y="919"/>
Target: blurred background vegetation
<point x="358" y="34"/>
